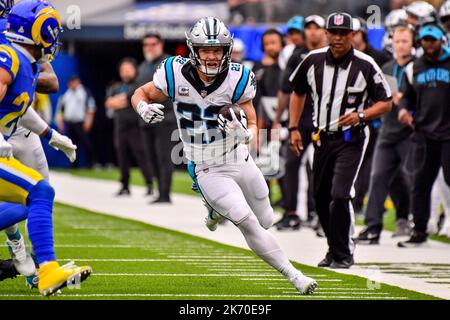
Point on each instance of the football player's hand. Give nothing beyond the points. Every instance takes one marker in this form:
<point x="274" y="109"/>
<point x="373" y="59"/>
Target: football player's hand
<point x="235" y="128"/>
<point x="150" y="112"/>
<point x="6" y="149"/>
<point x="63" y="143"/>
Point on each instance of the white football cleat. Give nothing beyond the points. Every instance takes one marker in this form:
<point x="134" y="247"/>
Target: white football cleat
<point x="305" y="285"/>
<point x="21" y="259"/>
<point x="212" y="218"/>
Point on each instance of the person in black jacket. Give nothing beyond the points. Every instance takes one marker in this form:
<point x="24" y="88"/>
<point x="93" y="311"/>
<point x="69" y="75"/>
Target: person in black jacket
<point x="157" y="137"/>
<point x="387" y="175"/>
<point x="127" y="136"/>
<point x="425" y="107"/>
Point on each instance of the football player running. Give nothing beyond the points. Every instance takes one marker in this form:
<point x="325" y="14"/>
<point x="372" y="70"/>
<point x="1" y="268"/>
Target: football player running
<point x="219" y="160"/>
<point x="27" y="148"/>
<point x="33" y="30"/>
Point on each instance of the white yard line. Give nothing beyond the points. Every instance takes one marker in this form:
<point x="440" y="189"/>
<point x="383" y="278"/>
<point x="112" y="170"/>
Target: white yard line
<point x="186" y="214"/>
<point x="189" y="275"/>
<point x="130" y="260"/>
<point x="171" y="295"/>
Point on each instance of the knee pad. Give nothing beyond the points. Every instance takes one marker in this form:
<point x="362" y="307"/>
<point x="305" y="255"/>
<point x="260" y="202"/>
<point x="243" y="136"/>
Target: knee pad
<point x="248" y="223"/>
<point x="266" y="219"/>
<point x="238" y="213"/>
<point x="42" y="191"/>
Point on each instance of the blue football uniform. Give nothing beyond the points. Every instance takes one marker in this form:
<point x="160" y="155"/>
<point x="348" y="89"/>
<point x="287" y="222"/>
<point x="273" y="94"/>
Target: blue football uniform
<point x="2" y="31"/>
<point x="20" y="93"/>
<point x="16" y="180"/>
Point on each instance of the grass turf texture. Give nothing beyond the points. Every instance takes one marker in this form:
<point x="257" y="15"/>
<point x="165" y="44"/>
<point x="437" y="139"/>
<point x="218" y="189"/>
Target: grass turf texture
<point x="132" y="260"/>
<point x="182" y="184"/>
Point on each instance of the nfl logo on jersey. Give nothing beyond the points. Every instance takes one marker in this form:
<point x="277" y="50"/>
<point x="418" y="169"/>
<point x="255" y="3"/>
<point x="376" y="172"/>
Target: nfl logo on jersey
<point x="183" y="91"/>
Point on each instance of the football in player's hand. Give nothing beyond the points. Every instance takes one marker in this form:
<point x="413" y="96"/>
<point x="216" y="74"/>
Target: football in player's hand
<point x="225" y="112"/>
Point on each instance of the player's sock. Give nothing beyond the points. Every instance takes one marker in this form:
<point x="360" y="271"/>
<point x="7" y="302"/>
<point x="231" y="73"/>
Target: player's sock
<point x="40" y="224"/>
<point x="13" y="232"/>
<point x="264" y="244"/>
<point x="10" y="214"/>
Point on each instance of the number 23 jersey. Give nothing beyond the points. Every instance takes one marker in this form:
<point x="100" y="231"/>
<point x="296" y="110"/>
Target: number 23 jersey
<point x="197" y="106"/>
<point x="20" y="92"/>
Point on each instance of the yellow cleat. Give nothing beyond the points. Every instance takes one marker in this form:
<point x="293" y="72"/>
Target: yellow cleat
<point x="53" y="277"/>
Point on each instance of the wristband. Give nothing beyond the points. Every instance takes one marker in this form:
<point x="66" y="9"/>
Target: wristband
<point x="140" y="105"/>
<point x="292" y="129"/>
<point x="48" y="134"/>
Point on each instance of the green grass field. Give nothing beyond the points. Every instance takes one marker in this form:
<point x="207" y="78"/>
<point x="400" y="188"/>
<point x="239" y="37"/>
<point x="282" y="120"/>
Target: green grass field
<point x="182" y="184"/>
<point x="132" y="260"/>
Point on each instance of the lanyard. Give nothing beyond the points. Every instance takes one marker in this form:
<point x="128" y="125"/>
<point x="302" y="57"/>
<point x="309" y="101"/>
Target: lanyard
<point x="400" y="74"/>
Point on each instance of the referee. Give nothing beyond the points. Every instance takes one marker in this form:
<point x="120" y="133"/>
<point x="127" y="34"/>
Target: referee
<point x="341" y="81"/>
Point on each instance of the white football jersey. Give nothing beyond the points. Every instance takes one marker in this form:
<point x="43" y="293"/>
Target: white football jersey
<point x="197" y="106"/>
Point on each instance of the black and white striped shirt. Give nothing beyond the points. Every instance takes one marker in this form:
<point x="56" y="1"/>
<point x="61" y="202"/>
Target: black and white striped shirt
<point x="339" y="86"/>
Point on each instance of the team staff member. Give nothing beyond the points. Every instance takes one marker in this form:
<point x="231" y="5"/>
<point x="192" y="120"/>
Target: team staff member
<point x="427" y="95"/>
<point x="390" y="152"/>
<point x="157" y="143"/>
<point x="268" y="75"/>
<point x="341" y="81"/>
<point x="128" y="137"/>
<point x="315" y="39"/>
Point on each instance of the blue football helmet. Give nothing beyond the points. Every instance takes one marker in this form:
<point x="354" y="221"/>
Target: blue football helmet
<point x="36" y="23"/>
<point x="5" y="7"/>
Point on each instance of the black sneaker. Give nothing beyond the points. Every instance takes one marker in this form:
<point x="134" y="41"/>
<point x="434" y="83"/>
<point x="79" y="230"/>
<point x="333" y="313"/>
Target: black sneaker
<point x="7" y="270"/>
<point x="418" y="239"/>
<point x="368" y="236"/>
<point x="342" y="264"/>
<point x="123" y="192"/>
<point x="290" y="221"/>
<point x="326" y="262"/>
<point x="161" y="200"/>
<point x="281" y="221"/>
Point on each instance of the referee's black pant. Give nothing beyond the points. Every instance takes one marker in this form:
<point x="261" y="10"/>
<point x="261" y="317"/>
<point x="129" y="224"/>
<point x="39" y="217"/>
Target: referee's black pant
<point x="335" y="169"/>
